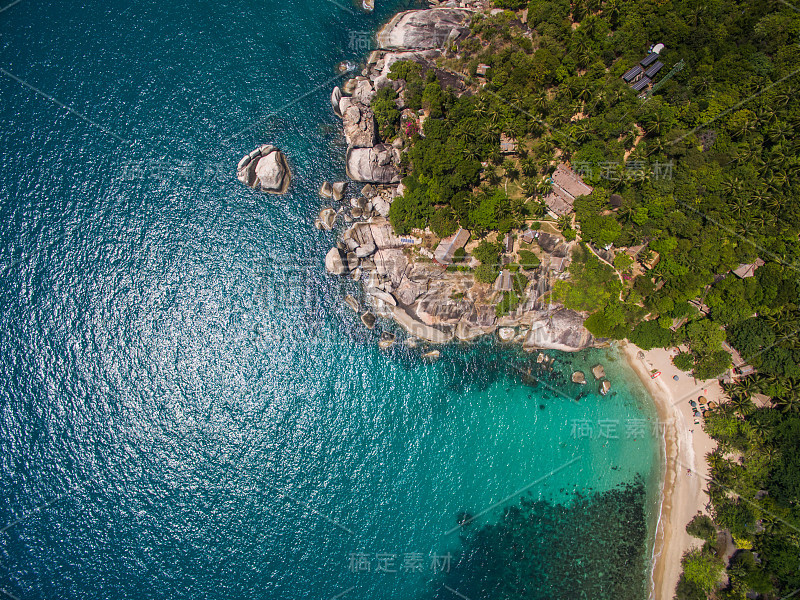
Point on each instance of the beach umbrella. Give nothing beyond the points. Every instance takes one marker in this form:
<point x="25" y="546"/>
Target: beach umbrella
<point x="712" y="404"/>
<point x="692" y="403"/>
<point x="675" y="377"/>
<point x="702" y="399"/>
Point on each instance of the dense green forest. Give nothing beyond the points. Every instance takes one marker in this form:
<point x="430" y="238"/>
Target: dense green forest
<point x="706" y="167"/>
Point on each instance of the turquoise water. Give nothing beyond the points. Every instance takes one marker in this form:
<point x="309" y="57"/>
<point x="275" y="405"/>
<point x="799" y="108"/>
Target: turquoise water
<point x="187" y="408"/>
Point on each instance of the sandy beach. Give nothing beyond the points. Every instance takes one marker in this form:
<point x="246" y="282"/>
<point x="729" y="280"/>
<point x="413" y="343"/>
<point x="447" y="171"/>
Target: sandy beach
<point x="686" y="445"/>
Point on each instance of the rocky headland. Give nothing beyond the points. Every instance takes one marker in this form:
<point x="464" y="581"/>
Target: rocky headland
<point x="399" y="275"/>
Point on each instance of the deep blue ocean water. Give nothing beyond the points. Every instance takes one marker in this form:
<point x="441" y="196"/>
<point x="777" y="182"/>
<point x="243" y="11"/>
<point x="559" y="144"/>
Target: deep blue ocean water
<point x="187" y="408"/>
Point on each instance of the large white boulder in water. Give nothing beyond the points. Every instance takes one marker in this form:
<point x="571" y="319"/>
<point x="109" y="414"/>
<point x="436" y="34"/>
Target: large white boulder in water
<point x="265" y="169"/>
<point x="335" y="263"/>
<point x="424" y="29"/>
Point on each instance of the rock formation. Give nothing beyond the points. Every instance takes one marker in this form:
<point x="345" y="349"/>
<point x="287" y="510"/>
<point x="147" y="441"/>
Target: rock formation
<point x="335" y="262"/>
<point x="424" y="29"/>
<point x="560" y="329"/>
<point x="359" y="124"/>
<point x="374" y="165"/>
<point x="265" y="169"/>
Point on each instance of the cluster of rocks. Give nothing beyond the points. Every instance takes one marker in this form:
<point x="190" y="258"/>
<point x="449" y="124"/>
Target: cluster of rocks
<point x="417" y="35"/>
<point x="437" y="305"/>
<point x="266" y="169"/>
<point x="431" y="303"/>
<point x="367" y="160"/>
<point x="374" y="201"/>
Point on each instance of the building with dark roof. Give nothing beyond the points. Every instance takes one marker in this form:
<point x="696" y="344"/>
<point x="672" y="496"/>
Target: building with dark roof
<point x="649" y="59"/>
<point x="641" y="75"/>
<point x="653" y="69"/>
<point x="632" y="74"/>
<point x="641" y="84"/>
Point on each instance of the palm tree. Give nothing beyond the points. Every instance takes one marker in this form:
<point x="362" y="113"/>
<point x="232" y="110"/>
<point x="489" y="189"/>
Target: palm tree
<point x="582" y="131"/>
<point x="775" y="202"/>
<point x="787" y="404"/>
<point x="472" y="152"/>
<point x="539" y="102"/>
<point x="511" y="170"/>
<point x="612" y="11"/>
<point x="654" y="123"/>
<point x="517" y="206"/>
<point x="742" y="405"/>
<point x="482" y="107"/>
<point x="629" y="139"/>
<point x="578" y="11"/>
<point x="765" y="115"/>
<point x="731" y="186"/>
<point x="544" y="186"/>
<point x="743" y="127"/>
<point x="770" y="452"/>
<point x="585" y="94"/>
<point x="779" y="132"/>
<point x="740" y="206"/>
<point x="748" y="387"/>
<point x="716" y="461"/>
<point x="548" y="143"/>
<point x="529" y="167"/>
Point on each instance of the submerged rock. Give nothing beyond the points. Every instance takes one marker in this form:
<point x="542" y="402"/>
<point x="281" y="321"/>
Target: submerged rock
<point x="599" y="372"/>
<point x="387" y="340"/>
<point x="351" y="302"/>
<point x="368" y="319"/>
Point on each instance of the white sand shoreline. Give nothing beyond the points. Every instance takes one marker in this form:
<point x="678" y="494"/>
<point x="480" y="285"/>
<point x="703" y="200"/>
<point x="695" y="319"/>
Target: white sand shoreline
<point x="684" y="447"/>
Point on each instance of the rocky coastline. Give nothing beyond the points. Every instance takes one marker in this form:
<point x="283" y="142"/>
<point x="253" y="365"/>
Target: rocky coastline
<point x="399" y="276"/>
